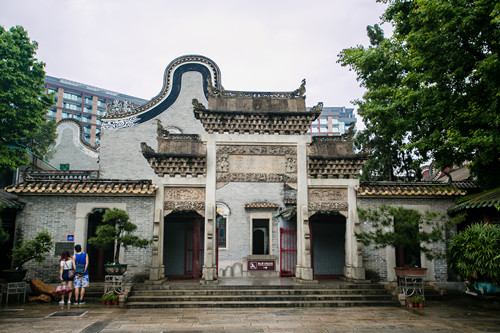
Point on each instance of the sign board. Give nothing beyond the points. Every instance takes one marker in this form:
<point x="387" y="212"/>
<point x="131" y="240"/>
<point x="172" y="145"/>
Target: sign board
<point x="64" y="246"/>
<point x="70" y="238"/>
<point x="261" y="265"/>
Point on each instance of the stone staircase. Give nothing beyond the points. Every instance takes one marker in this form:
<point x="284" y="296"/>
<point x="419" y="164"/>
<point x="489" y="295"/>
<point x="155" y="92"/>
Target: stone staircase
<point x="246" y="296"/>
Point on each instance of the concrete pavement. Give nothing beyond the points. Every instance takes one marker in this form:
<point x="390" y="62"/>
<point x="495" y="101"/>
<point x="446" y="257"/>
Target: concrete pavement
<point x="454" y="314"/>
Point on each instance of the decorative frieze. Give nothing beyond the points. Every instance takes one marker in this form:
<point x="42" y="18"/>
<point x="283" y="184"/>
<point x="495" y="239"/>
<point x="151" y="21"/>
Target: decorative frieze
<point x="256" y="178"/>
<point x="327" y="199"/>
<point x="184" y="199"/>
<point x="116" y="124"/>
<point x="256" y="150"/>
<point x="264" y="163"/>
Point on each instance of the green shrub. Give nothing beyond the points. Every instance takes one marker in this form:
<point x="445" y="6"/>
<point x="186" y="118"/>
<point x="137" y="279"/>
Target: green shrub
<point x="474" y="253"/>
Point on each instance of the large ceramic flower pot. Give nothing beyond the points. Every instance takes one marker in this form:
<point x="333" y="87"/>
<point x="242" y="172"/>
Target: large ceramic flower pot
<point x="411" y="271"/>
<point x="12" y="275"/>
<point x="115" y="269"/>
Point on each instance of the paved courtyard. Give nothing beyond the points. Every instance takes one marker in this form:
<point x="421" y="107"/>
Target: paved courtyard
<point x="458" y="314"/>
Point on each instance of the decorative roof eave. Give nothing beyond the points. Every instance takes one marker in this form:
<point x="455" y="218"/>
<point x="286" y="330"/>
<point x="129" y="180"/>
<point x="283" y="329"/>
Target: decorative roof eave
<point x="84" y="187"/>
<point x="341" y="166"/>
<point x="256" y="122"/>
<point x="261" y="205"/>
<point x="488" y="199"/>
<point x="177" y="164"/>
<point x="168" y="95"/>
<point x="401" y="189"/>
<point x="8" y="200"/>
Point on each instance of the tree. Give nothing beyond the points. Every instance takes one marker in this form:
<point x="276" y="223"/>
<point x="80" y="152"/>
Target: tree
<point x="407" y="229"/>
<point x="23" y="100"/>
<point x="474" y="253"/>
<point x="117" y="230"/>
<point x="432" y="88"/>
<point x="36" y="249"/>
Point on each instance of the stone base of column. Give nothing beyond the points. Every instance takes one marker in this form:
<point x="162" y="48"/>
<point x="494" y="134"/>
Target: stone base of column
<point x="300" y="281"/>
<point x="209" y="274"/>
<point x="354" y="273"/>
<point x="155" y="274"/>
<point x="305" y="273"/>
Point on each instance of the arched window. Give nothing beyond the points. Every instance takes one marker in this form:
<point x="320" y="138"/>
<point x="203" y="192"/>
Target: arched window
<point x="223" y="213"/>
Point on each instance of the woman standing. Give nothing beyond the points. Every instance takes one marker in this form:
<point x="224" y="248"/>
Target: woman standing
<point x="81" y="280"/>
<point x="66" y="263"/>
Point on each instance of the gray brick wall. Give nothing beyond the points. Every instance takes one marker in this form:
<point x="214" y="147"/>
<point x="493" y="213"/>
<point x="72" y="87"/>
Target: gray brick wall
<point x="56" y="214"/>
<point x="375" y="260"/>
<point x="124" y="145"/>
<point x="66" y="152"/>
<point x="235" y="196"/>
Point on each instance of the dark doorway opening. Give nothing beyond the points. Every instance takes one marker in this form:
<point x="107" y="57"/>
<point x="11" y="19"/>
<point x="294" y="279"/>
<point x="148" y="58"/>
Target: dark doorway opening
<point x="328" y="245"/>
<point x="260" y="236"/>
<point x="98" y="256"/>
<point x="184" y="245"/>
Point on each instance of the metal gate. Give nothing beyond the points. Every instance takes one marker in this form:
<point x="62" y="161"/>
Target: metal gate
<point x="288" y="252"/>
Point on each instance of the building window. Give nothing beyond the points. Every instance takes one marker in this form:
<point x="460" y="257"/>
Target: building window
<point x="222" y="218"/>
<point x="63" y="166"/>
<point x="72" y="96"/>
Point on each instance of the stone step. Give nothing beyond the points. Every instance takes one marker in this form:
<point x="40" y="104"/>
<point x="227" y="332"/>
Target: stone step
<point x="363" y="286"/>
<point x="259" y="304"/>
<point x="261" y="292"/>
<point x="174" y="296"/>
<point x="221" y="298"/>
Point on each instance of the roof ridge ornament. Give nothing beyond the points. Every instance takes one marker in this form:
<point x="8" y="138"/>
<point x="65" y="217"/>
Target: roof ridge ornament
<point x="301" y="90"/>
<point x="197" y="105"/>
<point x="318" y="107"/>
<point x="119" y="108"/>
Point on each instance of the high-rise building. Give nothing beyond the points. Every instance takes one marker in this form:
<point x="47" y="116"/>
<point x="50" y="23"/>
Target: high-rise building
<point x="332" y="121"/>
<point x="83" y="103"/>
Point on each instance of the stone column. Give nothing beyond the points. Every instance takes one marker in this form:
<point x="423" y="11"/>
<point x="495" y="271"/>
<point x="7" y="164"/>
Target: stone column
<point x="354" y="261"/>
<point x="156" y="271"/>
<point x="209" y="266"/>
<point x="303" y="270"/>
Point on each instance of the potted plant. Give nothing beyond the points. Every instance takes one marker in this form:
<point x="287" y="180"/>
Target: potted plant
<point x="474" y="254"/>
<point x="104" y="298"/>
<point x="115" y="299"/>
<point x="408" y="231"/>
<point x="117" y="230"/>
<point x="24" y="251"/>
<point x="415" y="301"/>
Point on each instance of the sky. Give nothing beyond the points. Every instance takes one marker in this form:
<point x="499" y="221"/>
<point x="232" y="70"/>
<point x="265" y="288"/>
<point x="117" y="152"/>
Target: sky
<point x="259" y="45"/>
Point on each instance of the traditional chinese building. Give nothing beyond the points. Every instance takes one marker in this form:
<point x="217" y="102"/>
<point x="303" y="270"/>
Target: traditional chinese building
<point x="225" y="183"/>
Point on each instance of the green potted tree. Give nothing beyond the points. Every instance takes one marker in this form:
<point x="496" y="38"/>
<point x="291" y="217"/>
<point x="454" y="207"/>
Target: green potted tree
<point x="474" y="254"/>
<point x="24" y="251"/>
<point x="408" y="231"/>
<point x="117" y="230"/>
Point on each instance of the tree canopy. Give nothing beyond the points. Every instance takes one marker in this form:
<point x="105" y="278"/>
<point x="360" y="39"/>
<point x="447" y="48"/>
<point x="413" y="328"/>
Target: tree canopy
<point x="432" y="89"/>
<point x="23" y="100"/>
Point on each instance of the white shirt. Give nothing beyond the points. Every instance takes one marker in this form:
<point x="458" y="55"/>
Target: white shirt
<point x="68" y="264"/>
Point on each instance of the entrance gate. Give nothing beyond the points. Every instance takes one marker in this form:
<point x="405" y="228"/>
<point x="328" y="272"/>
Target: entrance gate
<point x="288" y="252"/>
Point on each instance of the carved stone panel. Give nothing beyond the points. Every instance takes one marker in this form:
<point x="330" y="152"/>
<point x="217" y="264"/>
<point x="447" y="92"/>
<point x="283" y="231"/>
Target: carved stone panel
<point x="244" y="163"/>
<point x="185" y="199"/>
<point x="327" y="200"/>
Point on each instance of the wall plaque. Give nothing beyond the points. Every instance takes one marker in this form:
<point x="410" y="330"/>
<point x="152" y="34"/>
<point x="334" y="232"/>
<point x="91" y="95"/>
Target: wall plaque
<point x="261" y="265"/>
